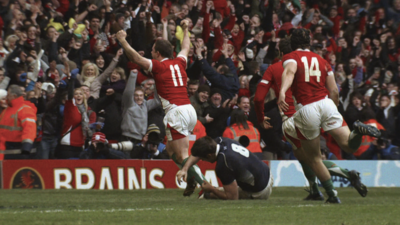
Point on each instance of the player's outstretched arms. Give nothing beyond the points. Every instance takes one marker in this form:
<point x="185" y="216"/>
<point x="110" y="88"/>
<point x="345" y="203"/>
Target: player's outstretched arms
<point x="230" y="191"/>
<point x="333" y="89"/>
<point x="132" y="54"/>
<point x="186" y="39"/>
<point x="287" y="80"/>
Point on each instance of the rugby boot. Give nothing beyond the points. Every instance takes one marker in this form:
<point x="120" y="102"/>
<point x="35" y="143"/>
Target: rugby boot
<point x="364" y="129"/>
<point x="190" y="187"/>
<point x="333" y="199"/>
<point x="314" y="197"/>
<point x="355" y="181"/>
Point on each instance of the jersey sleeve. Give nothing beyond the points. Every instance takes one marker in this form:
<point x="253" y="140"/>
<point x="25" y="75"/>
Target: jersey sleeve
<point x="328" y="68"/>
<point x="261" y="92"/>
<point x="288" y="58"/>
<point x="155" y="66"/>
<point x="181" y="60"/>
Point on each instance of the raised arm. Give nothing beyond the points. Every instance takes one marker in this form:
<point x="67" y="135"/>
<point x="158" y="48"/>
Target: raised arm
<point x="287" y="80"/>
<point x="186" y="40"/>
<point x="132" y="54"/>
<point x="127" y="96"/>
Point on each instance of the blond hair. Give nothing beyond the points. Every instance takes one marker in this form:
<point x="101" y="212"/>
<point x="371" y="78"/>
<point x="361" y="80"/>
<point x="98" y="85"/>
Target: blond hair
<point x="84" y="97"/>
<point x="121" y="72"/>
<point x="96" y="69"/>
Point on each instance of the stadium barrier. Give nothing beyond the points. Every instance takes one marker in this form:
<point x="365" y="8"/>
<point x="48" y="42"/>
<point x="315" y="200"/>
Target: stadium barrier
<point x="148" y="174"/>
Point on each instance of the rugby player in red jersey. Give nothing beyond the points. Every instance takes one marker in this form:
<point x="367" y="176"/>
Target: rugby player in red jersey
<point x="305" y="72"/>
<point x="171" y="81"/>
<point x="272" y="79"/>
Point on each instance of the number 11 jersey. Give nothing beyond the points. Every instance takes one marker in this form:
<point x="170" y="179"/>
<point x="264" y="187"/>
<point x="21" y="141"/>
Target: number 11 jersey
<point x="309" y="80"/>
<point x="171" y="81"/>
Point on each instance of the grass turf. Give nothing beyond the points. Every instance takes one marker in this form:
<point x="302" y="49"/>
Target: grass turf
<point x="285" y="206"/>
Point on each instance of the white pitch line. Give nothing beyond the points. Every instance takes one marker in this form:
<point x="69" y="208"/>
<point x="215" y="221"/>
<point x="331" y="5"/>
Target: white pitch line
<point x="85" y="210"/>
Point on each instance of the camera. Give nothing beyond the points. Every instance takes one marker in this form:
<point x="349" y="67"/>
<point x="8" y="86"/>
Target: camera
<point x="123" y="146"/>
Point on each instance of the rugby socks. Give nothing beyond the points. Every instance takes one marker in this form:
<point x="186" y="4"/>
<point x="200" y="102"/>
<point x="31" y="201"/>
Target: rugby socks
<point x="310" y="175"/>
<point x="355" y="140"/>
<point x="335" y="170"/>
<point x="328" y="186"/>
<point x="194" y="171"/>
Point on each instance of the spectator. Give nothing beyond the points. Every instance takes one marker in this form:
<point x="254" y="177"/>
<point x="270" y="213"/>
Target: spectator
<point x="75" y="130"/>
<point x="116" y="76"/>
<point x="200" y="101"/>
<point x="386" y="115"/>
<point x="134" y="111"/>
<point x="224" y="77"/>
<point x="219" y="112"/>
<point x="193" y="85"/>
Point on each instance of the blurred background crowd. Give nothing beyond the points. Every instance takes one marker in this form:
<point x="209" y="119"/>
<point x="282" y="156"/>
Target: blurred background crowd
<point x="61" y="60"/>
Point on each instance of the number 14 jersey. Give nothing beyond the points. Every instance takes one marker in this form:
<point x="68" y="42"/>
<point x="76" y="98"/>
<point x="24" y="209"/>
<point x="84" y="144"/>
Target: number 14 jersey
<point x="309" y="80"/>
<point x="171" y="79"/>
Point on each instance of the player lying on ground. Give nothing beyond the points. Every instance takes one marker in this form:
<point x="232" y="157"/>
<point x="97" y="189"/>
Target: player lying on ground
<point x="171" y="81"/>
<point x="272" y="78"/>
<point x="243" y="175"/>
<point x="305" y="73"/>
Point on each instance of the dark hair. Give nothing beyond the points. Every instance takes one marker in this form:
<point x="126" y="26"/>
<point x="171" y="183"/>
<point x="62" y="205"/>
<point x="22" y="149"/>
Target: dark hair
<point x="94" y="16"/>
<point x="193" y="82"/>
<point x="300" y="39"/>
<point x="240" y="99"/>
<point x="284" y="46"/>
<point x="367" y="113"/>
<point x="224" y="69"/>
<point x="204" y="146"/>
<point x="239" y="118"/>
<point x="384" y="95"/>
<point x="357" y="95"/>
<point x="164" y="48"/>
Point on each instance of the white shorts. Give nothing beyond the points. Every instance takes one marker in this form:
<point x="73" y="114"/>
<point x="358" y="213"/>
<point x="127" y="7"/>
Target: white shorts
<point x="289" y="131"/>
<point x="309" y="120"/>
<point x="180" y="121"/>
<point x="264" y="194"/>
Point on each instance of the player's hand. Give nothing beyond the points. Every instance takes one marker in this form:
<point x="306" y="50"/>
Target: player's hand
<point x="181" y="176"/>
<point x="207" y="186"/>
<point x="265" y="124"/>
<point x="184" y="24"/>
<point x="121" y="35"/>
<point x="283" y="106"/>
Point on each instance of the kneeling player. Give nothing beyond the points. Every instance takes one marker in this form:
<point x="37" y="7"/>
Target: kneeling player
<point x="242" y="174"/>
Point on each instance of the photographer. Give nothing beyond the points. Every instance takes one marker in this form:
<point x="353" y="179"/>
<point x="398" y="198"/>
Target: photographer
<point x="383" y="149"/>
<point x="151" y="146"/>
<point x="99" y="149"/>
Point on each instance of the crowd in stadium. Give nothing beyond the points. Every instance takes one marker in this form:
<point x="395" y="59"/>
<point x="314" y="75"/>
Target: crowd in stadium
<point x="68" y="86"/>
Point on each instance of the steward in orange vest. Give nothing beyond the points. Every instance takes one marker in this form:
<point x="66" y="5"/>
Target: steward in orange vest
<point x="199" y="131"/>
<point x="17" y="124"/>
<point x="240" y="127"/>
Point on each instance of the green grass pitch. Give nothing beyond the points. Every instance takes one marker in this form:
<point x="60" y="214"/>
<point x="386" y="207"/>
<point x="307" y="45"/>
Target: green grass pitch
<point x="285" y="206"/>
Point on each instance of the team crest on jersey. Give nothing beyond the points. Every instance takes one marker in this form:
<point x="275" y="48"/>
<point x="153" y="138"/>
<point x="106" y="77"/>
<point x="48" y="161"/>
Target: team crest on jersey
<point x="26" y="178"/>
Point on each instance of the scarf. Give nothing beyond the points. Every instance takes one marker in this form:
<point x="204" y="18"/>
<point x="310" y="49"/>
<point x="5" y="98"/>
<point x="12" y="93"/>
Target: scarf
<point x="85" y="121"/>
<point x="88" y="80"/>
